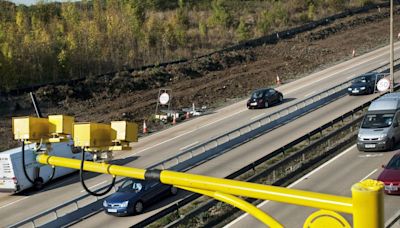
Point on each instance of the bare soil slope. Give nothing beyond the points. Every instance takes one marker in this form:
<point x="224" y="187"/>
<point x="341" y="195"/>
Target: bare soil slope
<point x="211" y="81"/>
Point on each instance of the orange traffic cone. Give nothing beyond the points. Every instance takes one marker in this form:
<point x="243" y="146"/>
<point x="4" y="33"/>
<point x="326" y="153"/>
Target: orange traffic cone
<point x="278" y="80"/>
<point x="187" y="115"/>
<point x="144" y="127"/>
<point x="174" y="119"/>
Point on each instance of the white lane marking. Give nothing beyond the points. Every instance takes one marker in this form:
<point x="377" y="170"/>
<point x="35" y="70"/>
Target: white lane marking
<point x="16" y="201"/>
<point x="258" y="116"/>
<point x="95" y="185"/>
<point x="395" y="216"/>
<point x="294" y="183"/>
<point x="190" y="145"/>
<point x="369" y="174"/>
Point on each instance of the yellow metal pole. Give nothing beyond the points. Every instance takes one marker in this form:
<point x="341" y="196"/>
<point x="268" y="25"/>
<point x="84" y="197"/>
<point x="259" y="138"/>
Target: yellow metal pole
<point x="232" y="187"/>
<point x="368" y="204"/>
<point x="259" y="191"/>
<point x="92" y="166"/>
<point x="239" y="203"/>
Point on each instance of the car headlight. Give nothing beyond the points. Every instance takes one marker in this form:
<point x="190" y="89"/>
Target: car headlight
<point x="382" y="137"/>
<point x="362" y="88"/>
<point x="349" y="89"/>
<point x="124" y="204"/>
<point x="105" y="204"/>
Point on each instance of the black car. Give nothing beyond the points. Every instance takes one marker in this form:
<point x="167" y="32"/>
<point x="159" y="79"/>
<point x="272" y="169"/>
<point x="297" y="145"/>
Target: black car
<point x="364" y="84"/>
<point x="263" y="98"/>
<point x="134" y="195"/>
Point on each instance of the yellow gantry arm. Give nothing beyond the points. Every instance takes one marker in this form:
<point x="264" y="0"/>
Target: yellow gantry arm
<point x="92" y="166"/>
<point x="232" y="187"/>
<point x="239" y="203"/>
<point x="366" y="204"/>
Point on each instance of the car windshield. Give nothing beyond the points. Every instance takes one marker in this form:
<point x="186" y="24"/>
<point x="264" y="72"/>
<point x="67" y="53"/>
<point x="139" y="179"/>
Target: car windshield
<point x="360" y="80"/>
<point x="394" y="163"/>
<point x="257" y="94"/>
<point x="377" y="120"/>
<point x="131" y="186"/>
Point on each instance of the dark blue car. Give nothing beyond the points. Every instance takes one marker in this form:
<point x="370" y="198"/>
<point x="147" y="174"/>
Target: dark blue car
<point x="134" y="195"/>
<point x="364" y="84"/>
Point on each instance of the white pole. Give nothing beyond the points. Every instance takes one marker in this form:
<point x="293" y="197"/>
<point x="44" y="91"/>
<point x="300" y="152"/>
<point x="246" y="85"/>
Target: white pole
<point x="391" y="47"/>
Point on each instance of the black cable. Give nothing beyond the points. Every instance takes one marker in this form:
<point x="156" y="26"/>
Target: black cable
<point x="26" y="173"/>
<point x="23" y="163"/>
<point x="83" y="181"/>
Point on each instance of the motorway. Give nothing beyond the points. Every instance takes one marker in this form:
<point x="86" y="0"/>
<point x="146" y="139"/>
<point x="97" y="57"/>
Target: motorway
<point x="247" y="153"/>
<point x="334" y="177"/>
<point x="151" y="149"/>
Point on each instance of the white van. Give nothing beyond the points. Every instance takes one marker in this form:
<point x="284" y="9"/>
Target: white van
<point x="12" y="177"/>
<point x="380" y="129"/>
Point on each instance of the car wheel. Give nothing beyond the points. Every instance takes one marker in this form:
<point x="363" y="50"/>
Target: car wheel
<point x="266" y="104"/>
<point x="38" y="183"/>
<point x="280" y="98"/>
<point x="138" y="207"/>
<point x="391" y="145"/>
<point x="174" y="190"/>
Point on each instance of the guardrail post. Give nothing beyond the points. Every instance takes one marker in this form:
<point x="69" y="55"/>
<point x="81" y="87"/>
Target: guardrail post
<point x="368" y="204"/>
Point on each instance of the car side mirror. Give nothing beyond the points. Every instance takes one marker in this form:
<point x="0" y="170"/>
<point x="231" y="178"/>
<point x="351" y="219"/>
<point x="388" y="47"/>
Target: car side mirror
<point x="118" y="188"/>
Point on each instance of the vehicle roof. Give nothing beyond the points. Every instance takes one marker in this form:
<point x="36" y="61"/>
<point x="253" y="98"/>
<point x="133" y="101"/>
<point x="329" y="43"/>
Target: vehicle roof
<point x="389" y="101"/>
<point x="17" y="149"/>
<point x="367" y="75"/>
<point x="262" y="89"/>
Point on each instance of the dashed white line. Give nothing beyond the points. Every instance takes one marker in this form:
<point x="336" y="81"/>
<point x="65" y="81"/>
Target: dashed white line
<point x="294" y="183"/>
<point x="369" y="174"/>
<point x="14" y="202"/>
<point x="188" y="146"/>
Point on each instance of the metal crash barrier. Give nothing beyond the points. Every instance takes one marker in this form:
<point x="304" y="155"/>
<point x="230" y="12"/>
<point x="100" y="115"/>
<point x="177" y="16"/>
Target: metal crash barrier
<point x="366" y="203"/>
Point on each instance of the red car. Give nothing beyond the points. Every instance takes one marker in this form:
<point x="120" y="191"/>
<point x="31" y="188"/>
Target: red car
<point x="391" y="175"/>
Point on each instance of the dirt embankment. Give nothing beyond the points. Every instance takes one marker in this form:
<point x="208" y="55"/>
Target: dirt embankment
<point x="210" y="81"/>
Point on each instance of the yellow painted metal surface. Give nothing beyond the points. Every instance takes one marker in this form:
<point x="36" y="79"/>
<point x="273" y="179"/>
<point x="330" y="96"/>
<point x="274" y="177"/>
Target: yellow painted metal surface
<point x="259" y="191"/>
<point x="61" y="124"/>
<point x="239" y="203"/>
<point x="92" y="166"/>
<point x="125" y="131"/>
<point x="232" y="187"/>
<point x="326" y="219"/>
<point x="368" y="204"/>
<point x="92" y="135"/>
<point x="30" y="128"/>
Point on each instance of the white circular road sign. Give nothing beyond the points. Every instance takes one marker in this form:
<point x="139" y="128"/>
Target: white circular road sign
<point x="383" y="84"/>
<point x="164" y="98"/>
